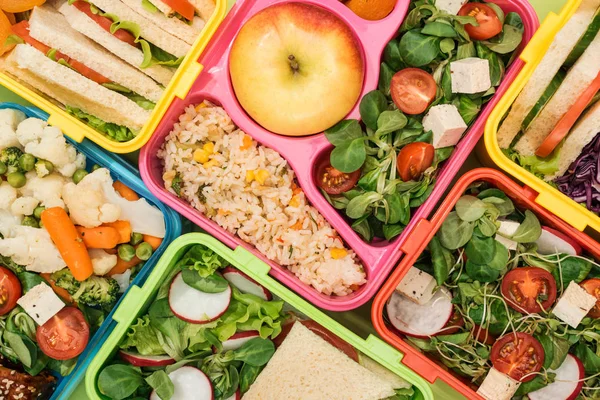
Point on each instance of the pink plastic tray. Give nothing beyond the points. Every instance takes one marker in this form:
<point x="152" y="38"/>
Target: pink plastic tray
<point x="303" y="153"/>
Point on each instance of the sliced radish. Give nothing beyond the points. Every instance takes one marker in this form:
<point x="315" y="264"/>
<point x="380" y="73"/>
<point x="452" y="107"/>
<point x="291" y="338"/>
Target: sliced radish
<point x="194" y="306"/>
<point x="190" y="384"/>
<point x="140" y="360"/>
<point x="566" y="385"/>
<point x="236" y="396"/>
<point x="552" y="241"/>
<point x="246" y="284"/>
<point x="238" y="340"/>
<point x="420" y="320"/>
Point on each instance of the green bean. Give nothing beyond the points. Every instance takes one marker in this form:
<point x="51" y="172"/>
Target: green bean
<point x="3" y="168"/>
<point x="38" y="211"/>
<point x="144" y="251"/>
<point x="126" y="252"/>
<point x="136" y="238"/>
<point x="27" y="162"/>
<point x="30" y="221"/>
<point x="16" y="179"/>
<point x="79" y="175"/>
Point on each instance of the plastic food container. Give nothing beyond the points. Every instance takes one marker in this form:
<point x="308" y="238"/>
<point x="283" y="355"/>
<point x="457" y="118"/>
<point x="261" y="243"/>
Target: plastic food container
<point x="304" y="153"/>
<point x="139" y="299"/>
<point x="179" y="86"/>
<point x="418" y="240"/>
<point x="129" y="176"/>
<point x="536" y="189"/>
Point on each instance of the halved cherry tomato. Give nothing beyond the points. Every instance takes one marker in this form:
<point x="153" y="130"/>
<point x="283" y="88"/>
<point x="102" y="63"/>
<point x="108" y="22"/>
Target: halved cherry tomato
<point x="561" y="130"/>
<point x="482" y="335"/>
<point x="22" y="30"/>
<point x="333" y="181"/>
<point x="65" y="335"/>
<point x="517" y="355"/>
<point x="105" y="23"/>
<point x="453" y="325"/>
<point x="15" y="6"/>
<point x="592" y="286"/>
<point x="489" y="23"/>
<point x="524" y="289"/>
<point x="414" y="159"/>
<point x="183" y="7"/>
<point x="413" y="90"/>
<point x="10" y="290"/>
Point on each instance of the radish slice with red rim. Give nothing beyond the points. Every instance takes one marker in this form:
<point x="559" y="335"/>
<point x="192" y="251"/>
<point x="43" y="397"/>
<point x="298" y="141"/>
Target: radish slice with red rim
<point x="190" y="384"/>
<point x="552" y="241"/>
<point x="236" y="396"/>
<point x="567" y="383"/>
<point x="245" y="284"/>
<point x="140" y="360"/>
<point x="194" y="306"/>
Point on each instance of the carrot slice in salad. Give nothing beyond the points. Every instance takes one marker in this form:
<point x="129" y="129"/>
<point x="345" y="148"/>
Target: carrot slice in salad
<point x="152" y="241"/>
<point x="125" y="191"/>
<point x="62" y="293"/>
<point x="123" y="266"/>
<point x="101" y="237"/>
<point x="124" y="229"/>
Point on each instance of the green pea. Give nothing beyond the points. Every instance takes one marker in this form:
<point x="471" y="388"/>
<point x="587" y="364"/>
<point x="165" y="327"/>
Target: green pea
<point x="3" y="168"/>
<point x="136" y="238"/>
<point x="79" y="175"/>
<point x="16" y="179"/>
<point x="49" y="166"/>
<point x="95" y="167"/>
<point x="144" y="251"/>
<point x="30" y="221"/>
<point x="38" y="211"/>
<point x="126" y="252"/>
<point x="27" y="162"/>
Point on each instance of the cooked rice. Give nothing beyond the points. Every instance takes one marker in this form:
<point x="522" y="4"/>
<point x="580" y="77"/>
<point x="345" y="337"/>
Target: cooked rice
<point x="273" y="216"/>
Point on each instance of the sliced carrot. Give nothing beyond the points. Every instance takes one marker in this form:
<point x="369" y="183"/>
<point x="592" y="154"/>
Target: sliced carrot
<point x="152" y="241"/>
<point x="101" y="237"/>
<point x="68" y="242"/>
<point x="62" y="293"/>
<point x="562" y="129"/>
<point x="5" y="32"/>
<point x="125" y="191"/>
<point x="124" y="229"/>
<point x="15" y="6"/>
<point x="123" y="266"/>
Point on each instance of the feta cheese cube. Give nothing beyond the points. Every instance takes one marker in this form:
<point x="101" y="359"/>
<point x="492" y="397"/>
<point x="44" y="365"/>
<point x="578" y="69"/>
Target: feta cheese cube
<point x="574" y="304"/>
<point x="450" y="6"/>
<point x="498" y="386"/>
<point x="446" y="124"/>
<point x="418" y="286"/>
<point x="470" y="75"/>
<point x="41" y="303"/>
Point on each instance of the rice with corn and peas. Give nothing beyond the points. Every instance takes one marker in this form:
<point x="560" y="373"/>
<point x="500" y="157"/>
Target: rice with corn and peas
<point x="250" y="190"/>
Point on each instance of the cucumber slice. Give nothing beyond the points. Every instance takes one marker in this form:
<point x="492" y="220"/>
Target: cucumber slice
<point x="585" y="40"/>
<point x="546" y="96"/>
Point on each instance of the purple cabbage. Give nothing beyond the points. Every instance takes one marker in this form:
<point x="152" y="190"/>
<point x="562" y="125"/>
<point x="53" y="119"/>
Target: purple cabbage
<point x="581" y="182"/>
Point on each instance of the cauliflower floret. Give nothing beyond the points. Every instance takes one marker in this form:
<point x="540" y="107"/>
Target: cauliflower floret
<point x="24" y="205"/>
<point x="8" y="222"/>
<point x="102" y="261"/>
<point x="9" y="120"/>
<point x="8" y="195"/>
<point x="33" y="248"/>
<point x="86" y="201"/>
<point x="48" y="143"/>
<point x="47" y="190"/>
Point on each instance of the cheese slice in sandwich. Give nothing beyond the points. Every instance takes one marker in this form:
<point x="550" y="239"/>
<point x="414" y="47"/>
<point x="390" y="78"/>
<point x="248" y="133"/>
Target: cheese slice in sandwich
<point x="306" y="367"/>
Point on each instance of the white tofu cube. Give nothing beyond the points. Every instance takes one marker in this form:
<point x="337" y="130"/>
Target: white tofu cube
<point x="418" y="286"/>
<point x="41" y="303"/>
<point x="470" y="75"/>
<point x="573" y="305"/>
<point x="498" y="386"/>
<point x="450" y="6"/>
<point x="446" y="124"/>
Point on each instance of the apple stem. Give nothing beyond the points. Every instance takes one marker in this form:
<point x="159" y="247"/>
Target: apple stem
<point x="293" y="63"/>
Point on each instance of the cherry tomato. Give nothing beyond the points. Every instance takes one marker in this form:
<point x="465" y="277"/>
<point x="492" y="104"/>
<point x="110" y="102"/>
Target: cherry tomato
<point x="333" y="181"/>
<point x="413" y="90"/>
<point x="10" y="290"/>
<point x="483" y="335"/>
<point x="15" y="6"/>
<point x="524" y="289"/>
<point x="183" y="7"/>
<point x="414" y="159"/>
<point x="517" y="355"/>
<point x="592" y="286"/>
<point x="489" y="23"/>
<point x="105" y="23"/>
<point x="454" y="324"/>
<point x="65" y="335"/>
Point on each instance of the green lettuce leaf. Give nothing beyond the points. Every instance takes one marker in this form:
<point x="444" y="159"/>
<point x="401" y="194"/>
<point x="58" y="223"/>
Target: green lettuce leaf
<point x="143" y="337"/>
<point x="540" y="167"/>
<point x="203" y="260"/>
<point x="115" y="132"/>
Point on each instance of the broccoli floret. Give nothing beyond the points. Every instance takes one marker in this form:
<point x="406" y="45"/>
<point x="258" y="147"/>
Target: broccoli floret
<point x="10" y="156"/>
<point x="66" y="280"/>
<point x="10" y="264"/>
<point x="96" y="291"/>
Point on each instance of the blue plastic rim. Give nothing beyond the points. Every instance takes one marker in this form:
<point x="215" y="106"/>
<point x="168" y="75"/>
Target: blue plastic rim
<point x="127" y="174"/>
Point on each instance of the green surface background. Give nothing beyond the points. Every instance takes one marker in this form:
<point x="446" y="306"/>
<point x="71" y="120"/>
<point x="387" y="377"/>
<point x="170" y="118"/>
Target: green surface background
<point x="542" y="7"/>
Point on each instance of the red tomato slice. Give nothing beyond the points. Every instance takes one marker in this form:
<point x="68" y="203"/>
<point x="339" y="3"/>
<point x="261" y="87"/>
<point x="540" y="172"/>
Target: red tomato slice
<point x="592" y="286"/>
<point x="489" y="23"/>
<point x="105" y="23"/>
<point x="333" y="181"/>
<point x="65" y="335"/>
<point x="483" y="335"/>
<point x="562" y="129"/>
<point x="414" y="159"/>
<point x="517" y="355"/>
<point x="453" y="325"/>
<point x="10" y="290"/>
<point x="413" y="90"/>
<point x="183" y="7"/>
<point x="524" y="289"/>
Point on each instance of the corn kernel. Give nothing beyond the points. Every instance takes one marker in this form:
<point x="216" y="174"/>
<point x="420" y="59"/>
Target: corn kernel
<point x="185" y="118"/>
<point x="295" y="201"/>
<point x="201" y="156"/>
<point x="209" y="147"/>
<point x="246" y="142"/>
<point x="200" y="106"/>
<point x="297" y="226"/>
<point x="249" y="175"/>
<point x="261" y="176"/>
<point x="211" y="163"/>
<point x="336" y="253"/>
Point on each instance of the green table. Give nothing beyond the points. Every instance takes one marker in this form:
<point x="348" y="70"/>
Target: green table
<point x="543" y="7"/>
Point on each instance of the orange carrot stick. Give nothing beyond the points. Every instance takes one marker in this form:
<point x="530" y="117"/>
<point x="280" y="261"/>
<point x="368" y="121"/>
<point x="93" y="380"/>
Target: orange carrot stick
<point x="125" y="191"/>
<point x="123" y="266"/>
<point x="124" y="229"/>
<point x="152" y="241"/>
<point x="62" y="293"/>
<point x="68" y="242"/>
<point x="101" y="237"/>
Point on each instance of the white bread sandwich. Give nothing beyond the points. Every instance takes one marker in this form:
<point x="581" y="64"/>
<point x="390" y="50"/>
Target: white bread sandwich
<point x="306" y="367"/>
<point x="92" y="84"/>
